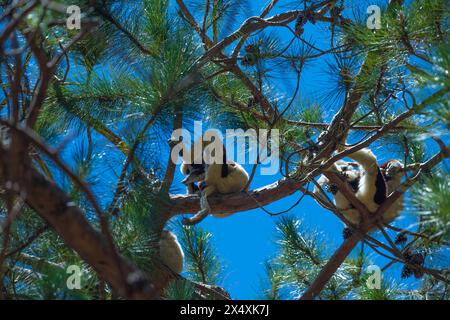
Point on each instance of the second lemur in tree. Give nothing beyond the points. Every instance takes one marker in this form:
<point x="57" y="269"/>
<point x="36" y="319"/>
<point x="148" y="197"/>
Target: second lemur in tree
<point x="214" y="178"/>
<point x="349" y="172"/>
<point x="370" y="183"/>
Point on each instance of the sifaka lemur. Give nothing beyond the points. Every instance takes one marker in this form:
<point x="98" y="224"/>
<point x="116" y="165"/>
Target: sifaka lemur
<point x="370" y="183"/>
<point x="221" y="176"/>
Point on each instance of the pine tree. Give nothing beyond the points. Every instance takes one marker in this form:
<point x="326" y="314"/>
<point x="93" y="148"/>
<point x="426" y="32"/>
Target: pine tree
<point x="86" y="117"/>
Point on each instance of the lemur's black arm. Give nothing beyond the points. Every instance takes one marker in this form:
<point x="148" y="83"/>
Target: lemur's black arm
<point x="381" y="188"/>
<point x="224" y="163"/>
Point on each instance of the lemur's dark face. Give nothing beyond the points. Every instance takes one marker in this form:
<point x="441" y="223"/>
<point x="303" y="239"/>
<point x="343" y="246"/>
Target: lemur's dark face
<point x="194" y="173"/>
<point x="350" y="172"/>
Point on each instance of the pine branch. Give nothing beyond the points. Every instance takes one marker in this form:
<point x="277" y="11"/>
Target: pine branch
<point x="110" y="18"/>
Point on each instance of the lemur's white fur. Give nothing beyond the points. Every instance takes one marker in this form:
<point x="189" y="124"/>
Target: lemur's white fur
<point x="235" y="181"/>
<point x="367" y="185"/>
<point x="171" y="252"/>
<point x="351" y="174"/>
<point x="367" y="174"/>
<point x="216" y="181"/>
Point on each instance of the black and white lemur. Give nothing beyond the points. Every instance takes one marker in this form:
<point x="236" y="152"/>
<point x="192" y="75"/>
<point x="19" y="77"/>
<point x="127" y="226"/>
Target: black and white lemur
<point x="370" y="183"/>
<point x="222" y="177"/>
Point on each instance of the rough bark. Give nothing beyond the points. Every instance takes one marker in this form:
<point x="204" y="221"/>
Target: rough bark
<point x="69" y="221"/>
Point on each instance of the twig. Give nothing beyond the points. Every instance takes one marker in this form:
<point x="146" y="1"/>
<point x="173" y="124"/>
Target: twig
<point x="105" y="14"/>
<point x="29" y="241"/>
<point x="419" y="235"/>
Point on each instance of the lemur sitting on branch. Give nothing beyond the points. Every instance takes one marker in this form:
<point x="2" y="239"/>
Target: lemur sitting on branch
<point x="194" y="169"/>
<point x="370" y="183"/>
<point x="221" y="176"/>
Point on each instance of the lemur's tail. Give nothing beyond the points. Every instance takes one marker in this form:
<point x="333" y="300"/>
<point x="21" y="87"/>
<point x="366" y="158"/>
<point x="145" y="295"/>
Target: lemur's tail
<point x="372" y="172"/>
<point x="366" y="159"/>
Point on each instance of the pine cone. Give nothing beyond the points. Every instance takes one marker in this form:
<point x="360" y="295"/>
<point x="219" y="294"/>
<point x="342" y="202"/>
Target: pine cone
<point x="247" y="61"/>
<point x="407" y="255"/>
<point x="299" y="26"/>
<point x="251" y="55"/>
<point x="406" y="272"/>
<point x="418" y="273"/>
<point x="418" y="259"/>
<point x="252" y="48"/>
<point x="401" y="238"/>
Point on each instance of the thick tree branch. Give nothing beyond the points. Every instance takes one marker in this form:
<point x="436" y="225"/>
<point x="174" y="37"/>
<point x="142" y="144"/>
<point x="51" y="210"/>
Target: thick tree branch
<point x="61" y="213"/>
<point x="242" y="201"/>
<point x="331" y="266"/>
